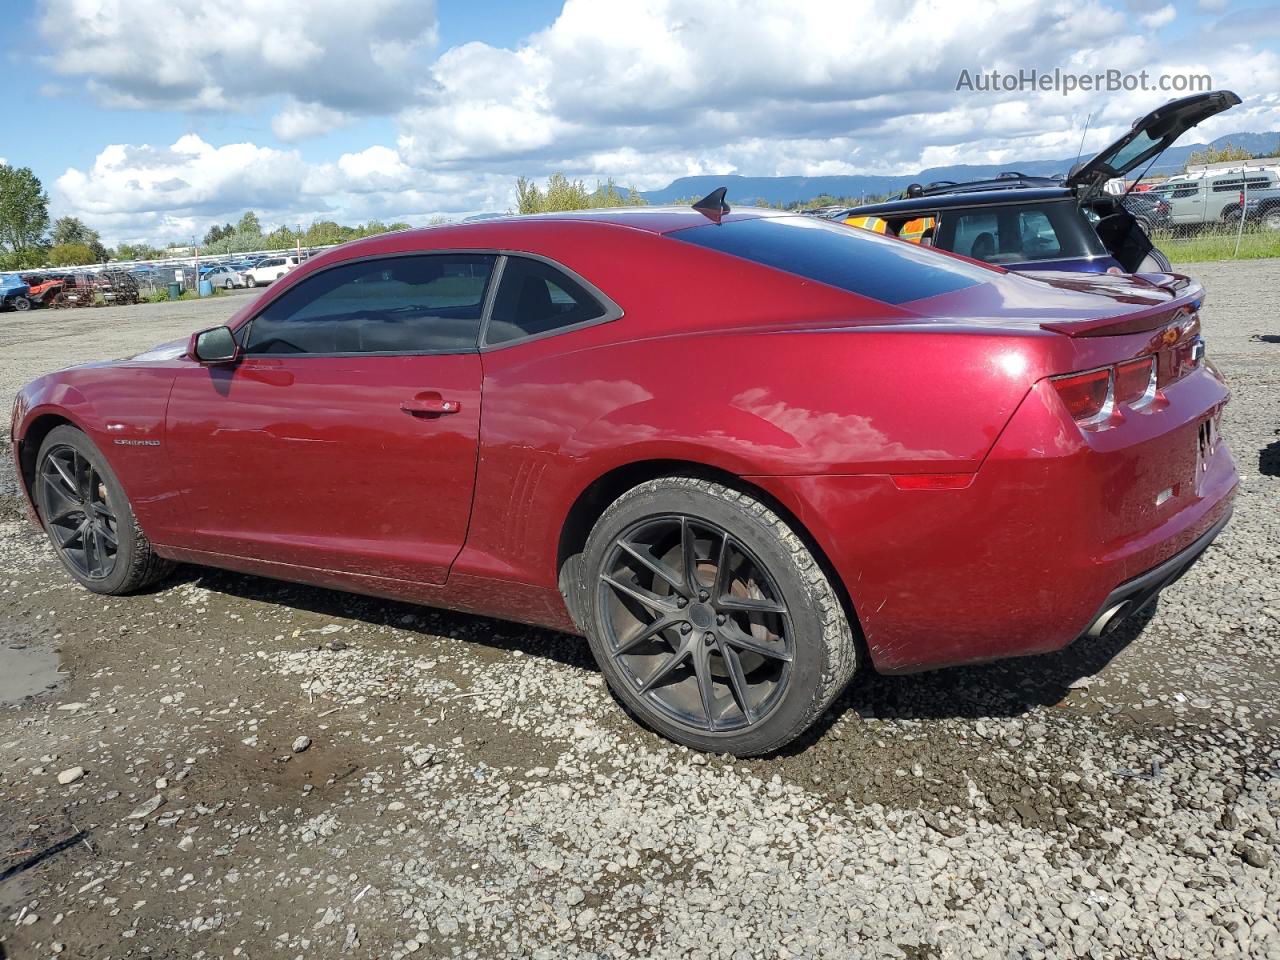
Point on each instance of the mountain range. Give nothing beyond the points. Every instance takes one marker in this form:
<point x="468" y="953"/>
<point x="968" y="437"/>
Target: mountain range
<point x="784" y="190"/>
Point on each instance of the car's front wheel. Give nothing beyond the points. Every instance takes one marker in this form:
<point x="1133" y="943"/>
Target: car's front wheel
<point x="88" y="518"/>
<point x="21" y="303"/>
<point x="711" y="619"/>
<point x="228" y="285"/>
<point x="250" y="282"/>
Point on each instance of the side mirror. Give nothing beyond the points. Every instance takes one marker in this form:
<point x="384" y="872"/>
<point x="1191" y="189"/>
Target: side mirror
<point x="215" y="345"/>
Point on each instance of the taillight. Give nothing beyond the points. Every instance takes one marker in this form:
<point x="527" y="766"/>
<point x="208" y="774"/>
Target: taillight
<point x="1088" y="396"/>
<point x="1136" y="381"/>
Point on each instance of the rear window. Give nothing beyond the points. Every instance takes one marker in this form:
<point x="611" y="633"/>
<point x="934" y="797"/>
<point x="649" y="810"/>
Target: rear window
<point x="856" y="260"/>
<point x="1011" y="233"/>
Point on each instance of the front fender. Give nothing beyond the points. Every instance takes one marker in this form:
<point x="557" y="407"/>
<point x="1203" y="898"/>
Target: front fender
<point x="120" y="407"/>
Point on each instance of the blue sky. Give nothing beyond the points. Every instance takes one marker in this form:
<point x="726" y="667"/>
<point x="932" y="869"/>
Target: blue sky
<point x="151" y="119"/>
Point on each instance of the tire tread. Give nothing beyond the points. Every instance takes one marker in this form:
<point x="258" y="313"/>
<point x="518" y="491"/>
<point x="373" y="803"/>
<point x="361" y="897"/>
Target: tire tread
<point x="838" y="640"/>
<point x="145" y="565"/>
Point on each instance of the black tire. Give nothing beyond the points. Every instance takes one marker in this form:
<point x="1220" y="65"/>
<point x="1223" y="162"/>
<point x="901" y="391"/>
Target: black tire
<point x="21" y="303"/>
<point x="771" y="622"/>
<point x="1270" y="219"/>
<point x="62" y="502"/>
<point x="228" y="285"/>
<point x="250" y="281"/>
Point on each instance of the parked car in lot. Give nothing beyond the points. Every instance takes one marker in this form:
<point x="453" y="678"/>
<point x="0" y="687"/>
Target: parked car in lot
<point x="1214" y="196"/>
<point x="743" y="452"/>
<point x="1151" y="211"/>
<point x="14" y="292"/>
<point x="225" y="276"/>
<point x="269" y="269"/>
<point x="44" y="289"/>
<point x="1037" y="223"/>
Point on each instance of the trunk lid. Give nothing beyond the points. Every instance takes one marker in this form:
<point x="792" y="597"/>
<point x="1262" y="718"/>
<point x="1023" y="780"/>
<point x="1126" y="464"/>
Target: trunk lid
<point x="1148" y="138"/>
<point x="1072" y="304"/>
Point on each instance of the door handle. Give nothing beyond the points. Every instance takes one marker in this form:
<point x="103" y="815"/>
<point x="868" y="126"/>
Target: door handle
<point x="429" y="406"/>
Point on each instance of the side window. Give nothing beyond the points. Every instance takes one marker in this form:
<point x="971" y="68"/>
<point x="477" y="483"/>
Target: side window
<point x="535" y="298"/>
<point x="975" y="235"/>
<point x="425" y="303"/>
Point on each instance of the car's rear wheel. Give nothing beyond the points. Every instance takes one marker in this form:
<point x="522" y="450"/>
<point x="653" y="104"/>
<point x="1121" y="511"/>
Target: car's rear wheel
<point x="1271" y="219"/>
<point x="711" y="619"/>
<point x="88" y="518"/>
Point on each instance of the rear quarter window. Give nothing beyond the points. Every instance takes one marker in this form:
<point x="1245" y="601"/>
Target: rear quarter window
<point x="851" y="259"/>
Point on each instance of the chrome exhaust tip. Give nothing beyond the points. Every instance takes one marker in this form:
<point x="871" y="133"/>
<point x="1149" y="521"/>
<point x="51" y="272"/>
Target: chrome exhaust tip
<point x="1109" y="620"/>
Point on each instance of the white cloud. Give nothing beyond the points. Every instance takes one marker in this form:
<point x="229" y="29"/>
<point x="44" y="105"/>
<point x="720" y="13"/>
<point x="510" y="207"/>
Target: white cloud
<point x="331" y="57"/>
<point x="300" y="121"/>
<point x="175" y="192"/>
<point x="658" y="90"/>
<point x="1158" y="18"/>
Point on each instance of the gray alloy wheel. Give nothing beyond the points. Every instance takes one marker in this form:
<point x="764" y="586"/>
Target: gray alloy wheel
<point x="227" y="284"/>
<point x="88" y="518"/>
<point x="21" y="303"/>
<point x="1271" y="219"/>
<point x="250" y="281"/>
<point x="710" y="618"/>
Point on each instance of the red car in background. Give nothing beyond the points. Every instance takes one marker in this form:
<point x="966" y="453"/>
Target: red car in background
<point x="742" y="452"/>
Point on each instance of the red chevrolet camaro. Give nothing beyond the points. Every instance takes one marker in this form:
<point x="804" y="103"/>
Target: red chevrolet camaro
<point x="742" y="452"/>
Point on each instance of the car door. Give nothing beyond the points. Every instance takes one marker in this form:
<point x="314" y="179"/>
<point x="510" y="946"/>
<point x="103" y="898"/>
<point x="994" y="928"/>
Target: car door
<point x="345" y="438"/>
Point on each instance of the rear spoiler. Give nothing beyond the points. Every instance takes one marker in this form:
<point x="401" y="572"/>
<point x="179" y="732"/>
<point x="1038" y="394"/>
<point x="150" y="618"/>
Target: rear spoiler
<point x="1189" y="294"/>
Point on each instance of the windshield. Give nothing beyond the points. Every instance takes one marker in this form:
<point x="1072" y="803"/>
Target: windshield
<point x="850" y="258"/>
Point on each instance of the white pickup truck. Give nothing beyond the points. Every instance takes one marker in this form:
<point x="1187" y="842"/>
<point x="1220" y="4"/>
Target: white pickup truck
<point x="1211" y="194"/>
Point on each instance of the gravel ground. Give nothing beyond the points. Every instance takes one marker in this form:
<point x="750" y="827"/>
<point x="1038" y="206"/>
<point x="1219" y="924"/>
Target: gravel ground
<point x="234" y="767"/>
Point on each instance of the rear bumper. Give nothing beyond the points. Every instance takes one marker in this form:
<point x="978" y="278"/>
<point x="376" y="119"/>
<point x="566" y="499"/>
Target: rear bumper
<point x="1053" y="528"/>
<point x="1133" y="595"/>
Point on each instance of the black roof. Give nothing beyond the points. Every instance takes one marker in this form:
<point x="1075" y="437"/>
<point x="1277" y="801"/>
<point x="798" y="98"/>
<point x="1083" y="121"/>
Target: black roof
<point x="963" y="198"/>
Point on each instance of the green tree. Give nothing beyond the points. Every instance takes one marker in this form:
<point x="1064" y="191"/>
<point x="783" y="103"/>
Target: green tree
<point x="561" y="193"/>
<point x="73" y="230"/>
<point x="24" y="212"/>
<point x="71" y="255"/>
<point x="324" y="232"/>
<point x="279" y="238"/>
<point x="249" y="225"/>
<point x="214" y="234"/>
<point x="1223" y="154"/>
<point x="137" y="251"/>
